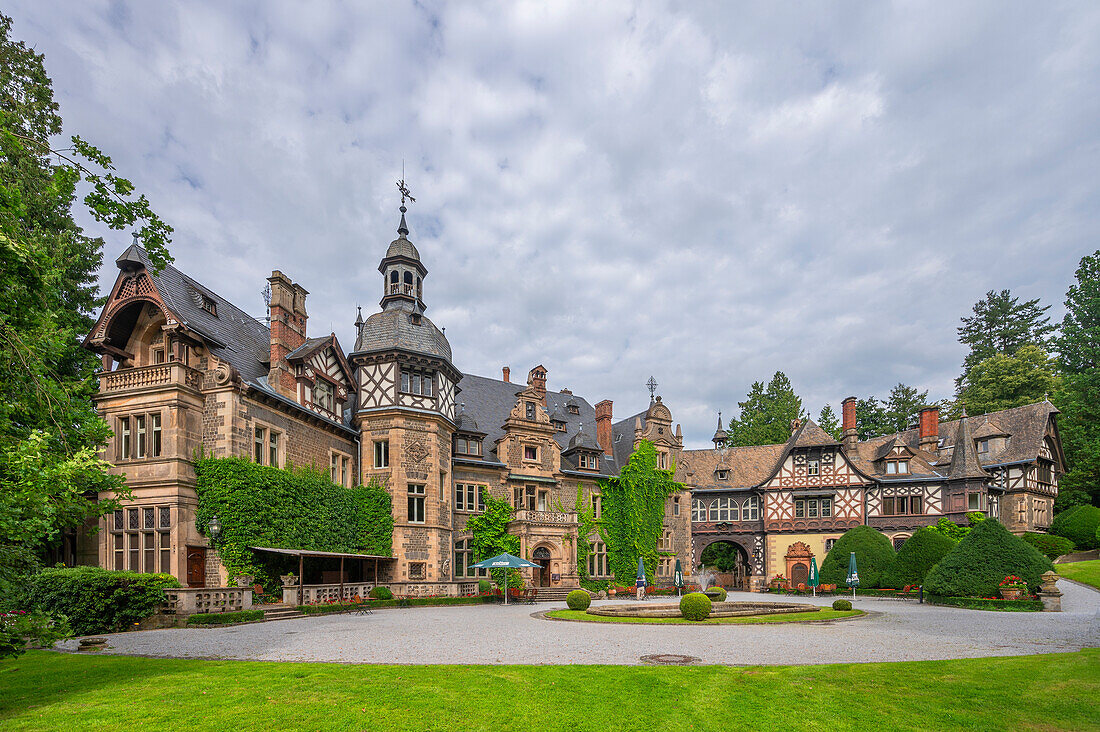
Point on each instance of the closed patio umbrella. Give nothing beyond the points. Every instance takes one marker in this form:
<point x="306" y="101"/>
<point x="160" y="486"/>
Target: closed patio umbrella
<point x="678" y="577"/>
<point x="813" y="581"/>
<point x="504" y="561"/>
<point x="853" y="576"/>
<point x="640" y="583"/>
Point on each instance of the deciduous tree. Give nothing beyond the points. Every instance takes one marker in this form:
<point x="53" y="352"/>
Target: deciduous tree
<point x="1003" y="382"/>
<point x="1001" y="324"/>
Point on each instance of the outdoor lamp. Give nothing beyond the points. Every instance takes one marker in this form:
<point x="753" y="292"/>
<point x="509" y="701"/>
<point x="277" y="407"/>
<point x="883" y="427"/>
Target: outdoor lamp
<point x="214" y="528"/>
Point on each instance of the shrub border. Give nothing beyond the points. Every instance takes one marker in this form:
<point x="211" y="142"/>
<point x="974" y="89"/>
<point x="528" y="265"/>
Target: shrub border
<point x="343" y="607"/>
<point x="544" y="615"/>
<point x="232" y="618"/>
<point x="985" y="603"/>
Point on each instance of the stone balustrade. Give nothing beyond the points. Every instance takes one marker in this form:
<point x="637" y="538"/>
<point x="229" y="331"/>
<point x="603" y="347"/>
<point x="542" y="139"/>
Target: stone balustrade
<point x="563" y="518"/>
<point x="192" y="600"/>
<point x="323" y="594"/>
<point x="145" y="377"/>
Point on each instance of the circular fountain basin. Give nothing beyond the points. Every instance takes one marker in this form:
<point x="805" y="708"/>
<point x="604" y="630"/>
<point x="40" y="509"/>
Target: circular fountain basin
<point x="719" y="610"/>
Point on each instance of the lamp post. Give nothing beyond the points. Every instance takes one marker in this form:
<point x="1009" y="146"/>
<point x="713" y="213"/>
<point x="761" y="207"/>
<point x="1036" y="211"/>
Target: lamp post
<point x="214" y="529"/>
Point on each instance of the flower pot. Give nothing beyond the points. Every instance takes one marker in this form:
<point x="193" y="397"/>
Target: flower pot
<point x="1012" y="593"/>
<point x="289" y="580"/>
<point x="245" y="580"/>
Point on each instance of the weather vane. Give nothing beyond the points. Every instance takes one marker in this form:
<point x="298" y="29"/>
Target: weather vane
<point x="404" y="188"/>
<point x="652" y="386"/>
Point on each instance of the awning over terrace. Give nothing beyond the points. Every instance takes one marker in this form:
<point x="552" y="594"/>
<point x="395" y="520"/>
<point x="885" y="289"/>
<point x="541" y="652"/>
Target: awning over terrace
<point x="302" y="554"/>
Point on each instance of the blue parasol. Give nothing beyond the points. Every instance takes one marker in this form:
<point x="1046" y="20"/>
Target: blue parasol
<point x="504" y="561"/>
<point x="852" y="579"/>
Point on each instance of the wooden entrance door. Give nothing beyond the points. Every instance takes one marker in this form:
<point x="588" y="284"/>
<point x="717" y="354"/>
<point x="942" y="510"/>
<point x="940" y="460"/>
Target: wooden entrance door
<point x="196" y="566"/>
<point x="800" y="574"/>
<point x="541" y="557"/>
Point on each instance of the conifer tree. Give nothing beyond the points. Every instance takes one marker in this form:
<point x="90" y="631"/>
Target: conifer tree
<point x="1078" y="396"/>
<point x="871" y="418"/>
<point x="903" y="406"/>
<point x="1001" y="324"/>
<point x="766" y="414"/>
<point x="828" y="421"/>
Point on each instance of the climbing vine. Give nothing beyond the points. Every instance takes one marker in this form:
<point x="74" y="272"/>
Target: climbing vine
<point x="633" y="510"/>
<point x="489" y="537"/>
<point x="292" y="508"/>
<point x="588" y="522"/>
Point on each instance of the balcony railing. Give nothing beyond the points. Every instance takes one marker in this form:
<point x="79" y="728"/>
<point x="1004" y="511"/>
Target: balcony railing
<point x="145" y="377"/>
<point x="547" y="517"/>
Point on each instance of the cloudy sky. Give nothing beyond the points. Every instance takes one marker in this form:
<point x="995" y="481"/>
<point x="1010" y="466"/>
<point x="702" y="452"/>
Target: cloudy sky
<point x="706" y="192"/>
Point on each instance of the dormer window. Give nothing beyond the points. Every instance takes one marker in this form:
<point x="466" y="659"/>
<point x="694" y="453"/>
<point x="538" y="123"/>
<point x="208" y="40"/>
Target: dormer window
<point x="559" y="425"/>
<point x="983" y="446"/>
<point x="323" y="395"/>
<point x="530" y="452"/>
<point x="589" y="461"/>
<point x="573" y="409"/>
<point x="209" y="305"/>
<point x="897" y="467"/>
<point x="722" y="474"/>
<point x="530" y="410"/>
<point x="470" y="446"/>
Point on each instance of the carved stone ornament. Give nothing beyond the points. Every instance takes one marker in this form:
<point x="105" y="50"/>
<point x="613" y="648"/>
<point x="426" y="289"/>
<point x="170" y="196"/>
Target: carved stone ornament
<point x="416" y="452"/>
<point x="225" y="374"/>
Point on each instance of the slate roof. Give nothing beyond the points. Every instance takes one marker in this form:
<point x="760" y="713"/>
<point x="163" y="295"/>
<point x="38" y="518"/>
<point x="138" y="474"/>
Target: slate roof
<point x="402" y="247"/>
<point x="622" y="437"/>
<point x="232" y="335"/>
<point x="393" y="328"/>
<point x="964" y="458"/>
<point x="306" y="348"/>
<point x="489" y="402"/>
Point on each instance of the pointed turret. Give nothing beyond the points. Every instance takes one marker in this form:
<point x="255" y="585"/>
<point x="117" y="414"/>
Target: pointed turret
<point x="720" y="435"/>
<point x="964" y="459"/>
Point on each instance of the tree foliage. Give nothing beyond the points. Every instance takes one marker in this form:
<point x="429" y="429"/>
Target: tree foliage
<point x="1079" y="525"/>
<point x="766" y="413"/>
<point x="828" y="421"/>
<point x="1049" y="545"/>
<point x="489" y="537"/>
<point x="1002" y="325"/>
<point x="633" y="514"/>
<point x="921" y="551"/>
<point x="1078" y="396"/>
<point x="983" y="558"/>
<point x="903" y="406"/>
<point x="99" y="600"/>
<point x="1005" y="381"/>
<point x="722" y="555"/>
<point x="874" y="557"/>
<point x="49" y="432"/>
<point x="871" y="418"/>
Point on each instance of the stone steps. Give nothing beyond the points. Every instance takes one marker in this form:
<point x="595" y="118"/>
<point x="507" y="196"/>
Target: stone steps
<point x="280" y="611"/>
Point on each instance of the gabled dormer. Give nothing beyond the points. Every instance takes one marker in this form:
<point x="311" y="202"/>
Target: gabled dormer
<point x="894" y="457"/>
<point x="584" y="450"/>
<point x="324" y="378"/>
<point x="469" y="439"/>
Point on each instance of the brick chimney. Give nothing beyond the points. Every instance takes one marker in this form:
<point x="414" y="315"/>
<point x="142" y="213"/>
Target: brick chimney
<point x="849" y="437"/>
<point x="536" y="379"/>
<point x="288" y="330"/>
<point x="930" y="429"/>
<point x="507" y="372"/>
<point x="603" y="425"/>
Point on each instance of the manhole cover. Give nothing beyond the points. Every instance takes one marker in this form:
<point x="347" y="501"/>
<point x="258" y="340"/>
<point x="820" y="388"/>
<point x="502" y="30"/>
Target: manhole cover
<point x="669" y="659"/>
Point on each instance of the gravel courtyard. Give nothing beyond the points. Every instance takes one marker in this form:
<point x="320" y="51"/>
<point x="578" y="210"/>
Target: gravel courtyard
<point x="492" y="634"/>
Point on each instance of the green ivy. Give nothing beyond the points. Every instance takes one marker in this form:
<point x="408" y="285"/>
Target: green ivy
<point x="489" y="537"/>
<point x="633" y="514"/>
<point x="292" y="508"/>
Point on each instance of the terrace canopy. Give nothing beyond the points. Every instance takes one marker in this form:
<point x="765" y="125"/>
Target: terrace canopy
<point x="302" y="554"/>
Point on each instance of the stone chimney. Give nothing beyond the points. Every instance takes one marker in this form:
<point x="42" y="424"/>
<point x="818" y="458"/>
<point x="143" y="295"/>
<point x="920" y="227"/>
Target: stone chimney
<point x="603" y="426"/>
<point x="796" y="425"/>
<point x="536" y="379"/>
<point x="507" y="373"/>
<point x="288" y="330"/>
<point x="849" y="437"/>
<point x="930" y="429"/>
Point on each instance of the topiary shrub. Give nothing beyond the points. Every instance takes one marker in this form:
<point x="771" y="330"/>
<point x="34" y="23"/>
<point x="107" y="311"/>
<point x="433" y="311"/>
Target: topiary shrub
<point x="874" y="555"/>
<point x="986" y="556"/>
<point x="842" y="604"/>
<point x="717" y="594"/>
<point x="695" y="606"/>
<point x="484" y="586"/>
<point x="381" y="593"/>
<point x="98" y="600"/>
<point x="1079" y="525"/>
<point x="578" y="600"/>
<point x="917" y="556"/>
<point x="1049" y="545"/>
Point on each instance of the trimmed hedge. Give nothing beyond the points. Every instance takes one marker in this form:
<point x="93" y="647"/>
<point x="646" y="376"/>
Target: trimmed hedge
<point x="578" y="600"/>
<point x="922" y="551"/>
<point x="1080" y="525"/>
<point x="717" y="594"/>
<point x="98" y="600"/>
<point x="842" y="604"/>
<point x="695" y="606"/>
<point x="987" y="555"/>
<point x="378" y="592"/>
<point x="1049" y="545"/>
<point x="240" y="616"/>
<point x="874" y="556"/>
<point x="987" y="603"/>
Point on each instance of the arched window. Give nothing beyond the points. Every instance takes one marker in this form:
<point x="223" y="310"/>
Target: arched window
<point x="751" y="509"/>
<point x="723" y="509"/>
<point x="408" y="278"/>
<point x="698" y="510"/>
<point x="394" y="277"/>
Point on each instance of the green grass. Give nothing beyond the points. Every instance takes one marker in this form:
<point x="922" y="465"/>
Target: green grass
<point x="751" y="620"/>
<point x="51" y="691"/>
<point x="1087" y="572"/>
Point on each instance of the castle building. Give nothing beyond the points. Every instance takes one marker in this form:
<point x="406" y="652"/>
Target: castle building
<point x="185" y="371"/>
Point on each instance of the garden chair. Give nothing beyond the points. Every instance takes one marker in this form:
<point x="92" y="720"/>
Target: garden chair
<point x="362" y="607"/>
<point x="530" y="594"/>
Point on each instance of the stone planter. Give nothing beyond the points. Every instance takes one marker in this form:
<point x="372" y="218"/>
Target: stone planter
<point x="288" y="580"/>
<point x="245" y="580"/>
<point x="1012" y="593"/>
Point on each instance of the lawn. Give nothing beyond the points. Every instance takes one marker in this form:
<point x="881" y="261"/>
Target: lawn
<point x="1087" y="572"/>
<point x="52" y="691"/>
<point x="750" y="620"/>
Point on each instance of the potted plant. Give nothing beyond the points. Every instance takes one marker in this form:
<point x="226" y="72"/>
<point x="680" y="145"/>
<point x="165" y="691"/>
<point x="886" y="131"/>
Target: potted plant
<point x="1012" y="587"/>
<point x="778" y="582"/>
<point x="289" y="580"/>
<point x="245" y="580"/>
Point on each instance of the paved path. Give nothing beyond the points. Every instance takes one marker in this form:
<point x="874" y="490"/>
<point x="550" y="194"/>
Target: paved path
<point x="491" y="634"/>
